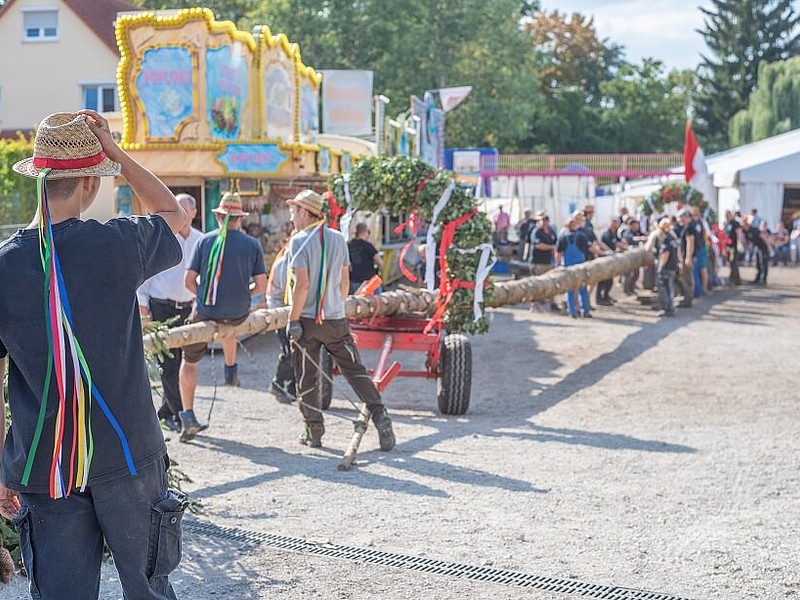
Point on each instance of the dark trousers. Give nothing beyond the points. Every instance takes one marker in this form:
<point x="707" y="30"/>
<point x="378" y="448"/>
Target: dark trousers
<point x="666" y="290"/>
<point x="284" y="374"/>
<point x="762" y="264"/>
<point x="61" y="541"/>
<point x="335" y="336"/>
<point x="685" y="283"/>
<point x="171" y="403"/>
<point x="733" y="263"/>
<point x="603" y="289"/>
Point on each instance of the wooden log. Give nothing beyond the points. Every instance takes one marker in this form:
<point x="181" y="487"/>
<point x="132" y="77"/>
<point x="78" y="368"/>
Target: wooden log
<point x="528" y="289"/>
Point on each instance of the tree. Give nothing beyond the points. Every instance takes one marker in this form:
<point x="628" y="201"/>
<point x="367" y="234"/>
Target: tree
<point x="419" y="45"/>
<point x="224" y="10"/>
<point x="773" y="108"/>
<point x="644" y="110"/>
<point x="572" y="55"/>
<point x="740" y="35"/>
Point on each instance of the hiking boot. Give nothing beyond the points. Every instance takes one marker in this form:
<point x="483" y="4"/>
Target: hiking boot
<point x="383" y="424"/>
<point x="312" y="435"/>
<point x="231" y="376"/>
<point x="171" y="423"/>
<point x="189" y="425"/>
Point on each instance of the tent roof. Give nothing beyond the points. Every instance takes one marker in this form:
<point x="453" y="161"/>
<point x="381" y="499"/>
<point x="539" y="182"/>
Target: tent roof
<point x="755" y="153"/>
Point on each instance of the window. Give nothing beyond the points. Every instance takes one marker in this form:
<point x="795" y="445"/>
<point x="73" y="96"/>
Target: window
<point x="40" y="24"/>
<point x="101" y="97"/>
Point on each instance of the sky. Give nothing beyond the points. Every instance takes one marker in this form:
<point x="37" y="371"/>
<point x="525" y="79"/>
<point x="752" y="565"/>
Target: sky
<point x="662" y="29"/>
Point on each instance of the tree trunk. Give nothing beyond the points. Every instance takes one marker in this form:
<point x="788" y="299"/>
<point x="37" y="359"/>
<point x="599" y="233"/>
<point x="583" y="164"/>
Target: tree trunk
<point x="528" y="289"/>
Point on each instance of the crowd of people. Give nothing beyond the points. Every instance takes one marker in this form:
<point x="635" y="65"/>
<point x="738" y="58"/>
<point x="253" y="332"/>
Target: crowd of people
<point x="689" y="252"/>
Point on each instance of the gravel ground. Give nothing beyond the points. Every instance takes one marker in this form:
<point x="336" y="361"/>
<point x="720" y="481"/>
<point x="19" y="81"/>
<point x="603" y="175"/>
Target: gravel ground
<point x="630" y="451"/>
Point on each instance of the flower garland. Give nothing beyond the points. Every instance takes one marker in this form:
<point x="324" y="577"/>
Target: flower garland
<point x="681" y="193"/>
<point x="407" y="185"/>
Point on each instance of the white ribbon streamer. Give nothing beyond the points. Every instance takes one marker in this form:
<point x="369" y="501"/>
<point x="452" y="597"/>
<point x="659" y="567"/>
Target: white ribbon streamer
<point x="430" y="245"/>
<point x="344" y="222"/>
<point x="481" y="273"/>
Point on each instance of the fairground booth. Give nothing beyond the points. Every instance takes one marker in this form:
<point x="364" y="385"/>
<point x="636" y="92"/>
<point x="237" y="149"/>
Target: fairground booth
<point x="210" y="108"/>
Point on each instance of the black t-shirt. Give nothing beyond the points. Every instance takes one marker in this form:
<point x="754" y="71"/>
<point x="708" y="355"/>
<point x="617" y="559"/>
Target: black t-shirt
<point x="540" y="236"/>
<point x="243" y="259"/>
<point x="696" y="228"/>
<point x="102" y="266"/>
<point x="525" y="229"/>
<point x="753" y="235"/>
<point x="610" y="239"/>
<point x="730" y="232"/>
<point x="591" y="238"/>
<point x="669" y="245"/>
<point x="362" y="266"/>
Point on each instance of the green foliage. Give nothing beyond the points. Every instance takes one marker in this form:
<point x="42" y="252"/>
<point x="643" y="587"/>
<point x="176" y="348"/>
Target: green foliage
<point x="230" y="10"/>
<point x="741" y="35"/>
<point x="17" y="193"/>
<point x="418" y="45"/>
<point x="773" y="108"/>
<point x="401" y="185"/>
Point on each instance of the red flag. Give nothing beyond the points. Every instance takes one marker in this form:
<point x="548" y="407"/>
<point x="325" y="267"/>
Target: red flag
<point x="694" y="161"/>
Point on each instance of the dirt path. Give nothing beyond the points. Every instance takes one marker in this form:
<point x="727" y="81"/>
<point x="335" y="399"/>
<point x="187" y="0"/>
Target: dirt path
<point x="620" y="451"/>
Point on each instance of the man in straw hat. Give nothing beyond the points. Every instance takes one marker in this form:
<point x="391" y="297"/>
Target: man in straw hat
<point x="84" y="460"/>
<point x="222" y="267"/>
<point x="319" y="280"/>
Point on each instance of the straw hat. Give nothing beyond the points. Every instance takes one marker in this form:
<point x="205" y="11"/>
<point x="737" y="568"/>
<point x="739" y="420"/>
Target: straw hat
<point x="540" y="215"/>
<point x="65" y="144"/>
<point x="311" y="201"/>
<point x="231" y="204"/>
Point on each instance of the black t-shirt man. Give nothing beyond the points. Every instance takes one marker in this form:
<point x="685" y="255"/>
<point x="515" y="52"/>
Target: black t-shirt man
<point x="362" y="254"/>
<point x="540" y="236"/>
<point x="610" y="239"/>
<point x="669" y="246"/>
<point x="731" y="228"/>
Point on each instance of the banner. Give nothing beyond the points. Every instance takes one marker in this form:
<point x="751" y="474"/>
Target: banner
<point x="347" y="102"/>
<point x="452" y="97"/>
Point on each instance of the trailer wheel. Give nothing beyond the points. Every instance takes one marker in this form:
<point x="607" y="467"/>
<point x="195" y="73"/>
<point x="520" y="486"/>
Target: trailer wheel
<point x="454" y="384"/>
<point x="325" y="379"/>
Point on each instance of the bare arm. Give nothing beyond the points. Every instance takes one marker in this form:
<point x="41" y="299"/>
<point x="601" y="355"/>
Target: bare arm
<point x="378" y="261"/>
<point x="155" y="196"/>
<point x="299" y="293"/>
<point x="344" y="286"/>
<point x="190" y="281"/>
<point x="261" y="285"/>
<point x="9" y="500"/>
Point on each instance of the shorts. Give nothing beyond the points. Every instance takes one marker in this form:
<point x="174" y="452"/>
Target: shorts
<point x="193" y="353"/>
<point x="701" y="258"/>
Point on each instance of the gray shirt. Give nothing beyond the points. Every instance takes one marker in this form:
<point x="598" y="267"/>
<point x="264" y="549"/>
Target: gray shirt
<point x="277" y="286"/>
<point x="305" y="252"/>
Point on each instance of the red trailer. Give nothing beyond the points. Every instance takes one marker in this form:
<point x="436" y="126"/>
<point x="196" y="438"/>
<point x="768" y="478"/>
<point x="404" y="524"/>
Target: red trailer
<point x="448" y="358"/>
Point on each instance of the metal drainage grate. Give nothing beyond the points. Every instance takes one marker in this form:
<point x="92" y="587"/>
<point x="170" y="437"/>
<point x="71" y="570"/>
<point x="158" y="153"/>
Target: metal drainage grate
<point x="426" y="565"/>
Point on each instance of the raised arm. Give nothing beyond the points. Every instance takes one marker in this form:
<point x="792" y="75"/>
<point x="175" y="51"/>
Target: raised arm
<point x="155" y="196"/>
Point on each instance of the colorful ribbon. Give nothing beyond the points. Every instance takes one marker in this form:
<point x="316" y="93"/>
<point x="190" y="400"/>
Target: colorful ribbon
<point x="65" y="357"/>
<point x="322" y="276"/>
<point x="214" y="267"/>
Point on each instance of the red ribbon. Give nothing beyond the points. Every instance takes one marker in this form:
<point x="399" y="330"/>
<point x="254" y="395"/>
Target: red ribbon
<point x="448" y="287"/>
<point x="413" y="221"/>
<point x="68" y="163"/>
<point x="334" y="210"/>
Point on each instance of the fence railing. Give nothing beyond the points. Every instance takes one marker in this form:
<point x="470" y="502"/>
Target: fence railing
<point x="598" y="165"/>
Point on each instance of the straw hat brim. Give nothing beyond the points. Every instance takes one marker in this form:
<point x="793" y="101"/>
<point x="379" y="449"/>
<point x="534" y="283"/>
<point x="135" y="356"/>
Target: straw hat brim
<point x="107" y="168"/>
<point x="233" y="213"/>
<point x="308" y="206"/>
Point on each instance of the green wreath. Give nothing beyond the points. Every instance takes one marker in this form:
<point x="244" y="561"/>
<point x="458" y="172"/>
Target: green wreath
<point x="405" y="185"/>
<point x="680" y="192"/>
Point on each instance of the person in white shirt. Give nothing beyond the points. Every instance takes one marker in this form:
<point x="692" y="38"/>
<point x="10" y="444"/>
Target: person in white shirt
<point x="165" y="297"/>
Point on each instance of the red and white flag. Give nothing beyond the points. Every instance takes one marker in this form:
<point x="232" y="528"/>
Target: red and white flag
<point x="694" y="162"/>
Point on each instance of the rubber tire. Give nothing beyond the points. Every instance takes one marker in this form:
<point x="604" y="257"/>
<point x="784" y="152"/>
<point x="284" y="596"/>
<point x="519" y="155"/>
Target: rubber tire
<point x="454" y="384"/>
<point x="325" y="385"/>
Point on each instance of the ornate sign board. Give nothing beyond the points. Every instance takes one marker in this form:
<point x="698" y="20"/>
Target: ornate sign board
<point x="189" y="82"/>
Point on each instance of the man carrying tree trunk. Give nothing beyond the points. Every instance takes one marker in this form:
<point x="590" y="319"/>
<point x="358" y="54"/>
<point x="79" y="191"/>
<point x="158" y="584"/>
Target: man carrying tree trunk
<point x="318" y="281"/>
